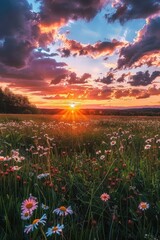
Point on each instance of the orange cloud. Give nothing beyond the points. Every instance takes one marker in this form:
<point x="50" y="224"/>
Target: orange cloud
<point x="44" y="28"/>
<point x="96" y="50"/>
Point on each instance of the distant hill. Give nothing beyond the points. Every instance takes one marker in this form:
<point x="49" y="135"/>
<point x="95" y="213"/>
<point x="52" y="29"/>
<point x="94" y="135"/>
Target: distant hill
<point x="116" y="112"/>
<point x="15" y="103"/>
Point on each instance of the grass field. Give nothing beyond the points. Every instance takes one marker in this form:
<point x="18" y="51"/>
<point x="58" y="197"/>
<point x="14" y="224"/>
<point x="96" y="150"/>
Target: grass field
<point x="97" y="178"/>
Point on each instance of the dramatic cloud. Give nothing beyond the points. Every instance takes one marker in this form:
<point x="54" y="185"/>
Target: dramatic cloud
<point x="71" y="78"/>
<point x="14" y="52"/>
<point x="119" y="93"/>
<point x="106" y="80"/>
<point x="147" y="42"/>
<point x="127" y="9"/>
<point x="152" y="91"/>
<point x="56" y="14"/>
<point x="32" y="45"/>
<point x="64" y="10"/>
<point x="136" y="93"/>
<point x="143" y="78"/>
<point x="95" y="50"/>
<point x="14" y="16"/>
<point x="99" y="94"/>
<point x="121" y="79"/>
<point x="38" y="69"/>
<point x="17" y="36"/>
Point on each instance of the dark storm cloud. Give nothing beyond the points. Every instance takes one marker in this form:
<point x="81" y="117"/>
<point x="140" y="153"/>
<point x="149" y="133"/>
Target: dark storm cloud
<point x="38" y="69"/>
<point x="53" y="11"/>
<point x="14" y="51"/>
<point x="143" y="78"/>
<point x="135" y="9"/>
<point x="94" y="50"/>
<point x="147" y="42"/>
<point x="13" y="17"/>
<point x="16" y="32"/>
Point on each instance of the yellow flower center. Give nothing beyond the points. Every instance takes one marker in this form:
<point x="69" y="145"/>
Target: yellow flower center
<point x="29" y="205"/>
<point x="62" y="208"/>
<point x="143" y="205"/>
<point x="54" y="229"/>
<point x="26" y="214"/>
<point x="35" y="221"/>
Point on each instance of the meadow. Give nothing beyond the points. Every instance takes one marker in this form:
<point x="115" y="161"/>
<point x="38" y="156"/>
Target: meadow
<point x="94" y="178"/>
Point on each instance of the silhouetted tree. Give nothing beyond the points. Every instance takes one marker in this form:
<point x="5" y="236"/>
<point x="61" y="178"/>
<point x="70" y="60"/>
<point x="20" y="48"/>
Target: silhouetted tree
<point x="15" y="103"/>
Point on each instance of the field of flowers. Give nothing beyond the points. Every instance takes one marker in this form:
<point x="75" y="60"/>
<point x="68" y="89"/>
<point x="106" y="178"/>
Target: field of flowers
<point x="95" y="179"/>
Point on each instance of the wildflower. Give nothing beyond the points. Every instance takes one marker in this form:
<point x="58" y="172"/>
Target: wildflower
<point x="42" y="175"/>
<point x="143" y="206"/>
<point x="55" y="229"/>
<point x="35" y="223"/>
<point x="29" y="204"/>
<point x="15" y="168"/>
<point x="98" y="152"/>
<point x="7" y="158"/>
<point x="148" y="146"/>
<point x="105" y="197"/>
<point x="102" y="157"/>
<point x="44" y="207"/>
<point x="25" y="215"/>
<point x="63" y="211"/>
<point x="2" y="158"/>
<point x="107" y="151"/>
<point x="113" y="143"/>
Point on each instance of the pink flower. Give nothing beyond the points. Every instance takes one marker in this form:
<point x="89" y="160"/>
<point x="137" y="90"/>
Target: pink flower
<point x="25" y="215"/>
<point x="2" y="158"/>
<point x="105" y="197"/>
<point x="143" y="206"/>
<point x="29" y="204"/>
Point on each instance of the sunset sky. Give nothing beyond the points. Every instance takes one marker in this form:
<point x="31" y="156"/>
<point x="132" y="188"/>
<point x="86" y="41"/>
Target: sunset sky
<point x="94" y="53"/>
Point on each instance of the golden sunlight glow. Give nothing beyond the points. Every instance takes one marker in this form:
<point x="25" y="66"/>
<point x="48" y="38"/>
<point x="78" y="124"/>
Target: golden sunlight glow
<point x="72" y="105"/>
<point x="73" y="113"/>
<point x="52" y="27"/>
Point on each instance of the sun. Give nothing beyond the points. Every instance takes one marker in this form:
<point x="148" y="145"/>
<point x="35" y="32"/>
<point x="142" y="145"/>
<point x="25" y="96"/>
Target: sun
<point x="73" y="112"/>
<point x="72" y="105"/>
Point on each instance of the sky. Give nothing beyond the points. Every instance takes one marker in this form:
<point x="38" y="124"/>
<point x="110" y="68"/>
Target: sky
<point x="94" y="53"/>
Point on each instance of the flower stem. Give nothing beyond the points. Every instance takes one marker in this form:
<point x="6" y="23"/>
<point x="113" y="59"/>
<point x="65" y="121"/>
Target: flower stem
<point x="45" y="238"/>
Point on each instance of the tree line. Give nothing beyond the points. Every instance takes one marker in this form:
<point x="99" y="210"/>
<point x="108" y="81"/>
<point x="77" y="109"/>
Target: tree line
<point x="15" y="103"/>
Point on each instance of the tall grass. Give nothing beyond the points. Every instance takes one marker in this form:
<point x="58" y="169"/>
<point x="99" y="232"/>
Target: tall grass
<point x="83" y="160"/>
